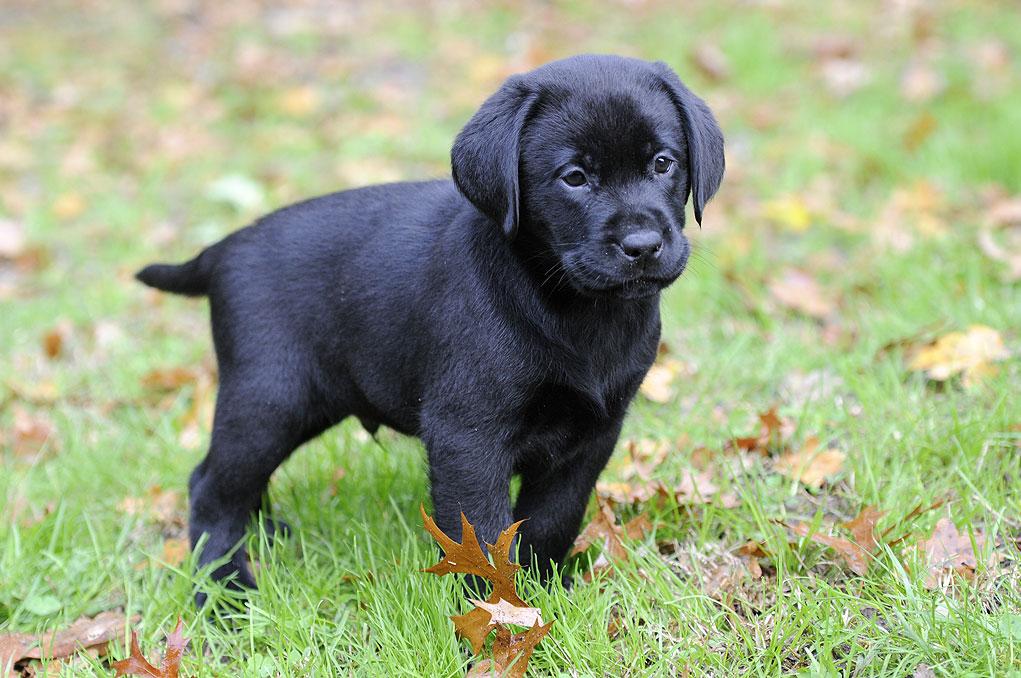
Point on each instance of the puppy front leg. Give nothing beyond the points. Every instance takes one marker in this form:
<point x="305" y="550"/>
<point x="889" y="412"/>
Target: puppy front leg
<point x="469" y="476"/>
<point x="552" y="501"/>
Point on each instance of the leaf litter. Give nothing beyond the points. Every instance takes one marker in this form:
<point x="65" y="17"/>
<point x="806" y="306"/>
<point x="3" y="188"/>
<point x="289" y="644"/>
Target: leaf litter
<point x="137" y="665"/>
<point x="510" y="651"/>
<point x="91" y="635"/>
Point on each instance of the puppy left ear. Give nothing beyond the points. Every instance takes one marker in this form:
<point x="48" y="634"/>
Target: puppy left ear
<point x="704" y="138"/>
<point x="485" y="155"/>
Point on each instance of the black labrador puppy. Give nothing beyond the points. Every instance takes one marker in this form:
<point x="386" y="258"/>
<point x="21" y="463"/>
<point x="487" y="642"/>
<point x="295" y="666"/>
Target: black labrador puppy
<point x="506" y="317"/>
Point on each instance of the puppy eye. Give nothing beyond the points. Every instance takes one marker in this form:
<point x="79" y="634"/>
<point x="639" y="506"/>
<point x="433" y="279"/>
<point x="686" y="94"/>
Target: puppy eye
<point x="575" y="179"/>
<point x="663" y="164"/>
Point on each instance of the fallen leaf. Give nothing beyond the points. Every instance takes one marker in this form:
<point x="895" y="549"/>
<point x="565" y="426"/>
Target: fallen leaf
<point x="834" y="46"/>
<point x="604" y="530"/>
<point x="503" y="606"/>
<point x="799" y="291"/>
<point x="917" y="210"/>
<point x="511" y="651"/>
<point x="921" y="82"/>
<point x="53" y="344"/>
<point x="502" y="612"/>
<point x="300" y="101"/>
<point x="774" y="431"/>
<point x="970" y="353"/>
<point x="658" y="383"/>
<point x="12" y="239"/>
<point x="789" y="212"/>
<point x="30" y="433"/>
<point x="856" y="557"/>
<point x="844" y="76"/>
<point x="710" y="61"/>
<point x="468" y="557"/>
<point x="86" y="633"/>
<point x="1000" y="238"/>
<point x="699" y="488"/>
<point x="863" y="528"/>
<point x="919" y="130"/>
<point x="161" y="505"/>
<point x="923" y="671"/>
<point x="68" y="206"/>
<point x="644" y="457"/>
<point x="136" y="663"/>
<point x="175" y="551"/>
<point x="170" y="378"/>
<point x="751" y="552"/>
<point x="949" y="550"/>
<point x="810" y="465"/>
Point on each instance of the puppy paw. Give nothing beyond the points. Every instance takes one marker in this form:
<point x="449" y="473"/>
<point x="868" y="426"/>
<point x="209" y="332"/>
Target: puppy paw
<point x="276" y="529"/>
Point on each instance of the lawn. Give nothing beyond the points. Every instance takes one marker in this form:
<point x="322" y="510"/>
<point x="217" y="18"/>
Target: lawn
<point x="873" y="147"/>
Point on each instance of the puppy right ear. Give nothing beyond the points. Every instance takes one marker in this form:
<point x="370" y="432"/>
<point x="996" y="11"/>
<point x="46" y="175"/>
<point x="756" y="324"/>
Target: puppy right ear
<point x="485" y="155"/>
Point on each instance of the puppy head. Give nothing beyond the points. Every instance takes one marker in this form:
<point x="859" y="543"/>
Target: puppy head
<point x="594" y="158"/>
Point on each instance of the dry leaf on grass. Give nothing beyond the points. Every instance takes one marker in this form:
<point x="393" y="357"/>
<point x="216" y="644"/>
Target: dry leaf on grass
<point x="503" y="612"/>
<point x="774" y="431"/>
<point x="12" y="239"/>
<point x="30" y="433"/>
<point x="163" y="506"/>
<point x="137" y="665"/>
<point x="750" y="552"/>
<point x="844" y="76"/>
<point x="857" y="552"/>
<point x="511" y="651"/>
<point x="468" y="557"/>
<point x="863" y="528"/>
<point x="86" y="633"/>
<point x="175" y="551"/>
<point x="921" y="82"/>
<point x="605" y="531"/>
<point x="644" y="457"/>
<point x="694" y="488"/>
<point x="950" y="551"/>
<point x="56" y="339"/>
<point x="799" y="291"/>
<point x="1000" y="238"/>
<point x="710" y="61"/>
<point x="810" y="465"/>
<point x="170" y="378"/>
<point x="788" y="212"/>
<point x="658" y="383"/>
<point x="919" y="130"/>
<point x="970" y="353"/>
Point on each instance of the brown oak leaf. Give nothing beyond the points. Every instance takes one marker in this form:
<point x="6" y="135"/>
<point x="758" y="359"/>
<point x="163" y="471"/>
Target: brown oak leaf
<point x="136" y="663"/>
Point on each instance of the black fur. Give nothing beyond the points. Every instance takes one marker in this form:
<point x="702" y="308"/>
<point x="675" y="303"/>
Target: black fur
<point x="506" y="318"/>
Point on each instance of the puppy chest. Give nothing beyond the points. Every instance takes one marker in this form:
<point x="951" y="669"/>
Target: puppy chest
<point x="557" y="417"/>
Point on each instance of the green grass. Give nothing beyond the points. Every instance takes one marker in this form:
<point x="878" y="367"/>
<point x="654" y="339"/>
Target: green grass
<point x="138" y="110"/>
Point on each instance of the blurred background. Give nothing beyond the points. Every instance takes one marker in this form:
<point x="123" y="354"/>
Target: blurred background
<point x="870" y="205"/>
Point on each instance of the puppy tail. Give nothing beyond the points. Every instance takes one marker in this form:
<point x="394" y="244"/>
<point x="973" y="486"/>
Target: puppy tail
<point x="190" y="278"/>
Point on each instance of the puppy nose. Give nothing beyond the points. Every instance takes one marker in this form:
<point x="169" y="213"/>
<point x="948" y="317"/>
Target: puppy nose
<point x="646" y="244"/>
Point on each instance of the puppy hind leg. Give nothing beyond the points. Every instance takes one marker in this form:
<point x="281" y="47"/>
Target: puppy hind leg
<point x="250" y="440"/>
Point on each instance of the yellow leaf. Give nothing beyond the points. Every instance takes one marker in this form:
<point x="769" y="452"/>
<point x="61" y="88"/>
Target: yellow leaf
<point x="299" y="101"/>
<point x="68" y="206"/>
<point x="809" y="466"/>
<point x="789" y="212"/>
<point x="970" y="353"/>
<point x="658" y="383"/>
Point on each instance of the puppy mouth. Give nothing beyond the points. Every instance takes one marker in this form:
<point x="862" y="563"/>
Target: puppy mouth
<point x="590" y="281"/>
<point x="637" y="288"/>
<point x="592" y="284"/>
